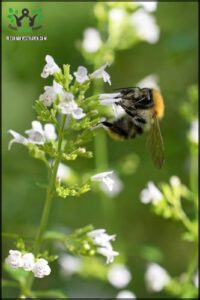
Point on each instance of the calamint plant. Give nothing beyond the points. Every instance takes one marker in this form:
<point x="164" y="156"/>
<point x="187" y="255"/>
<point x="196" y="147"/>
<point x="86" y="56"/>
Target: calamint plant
<point x="67" y="120"/>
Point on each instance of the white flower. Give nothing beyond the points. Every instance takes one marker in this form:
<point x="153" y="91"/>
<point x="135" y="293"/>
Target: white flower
<point x="125" y="295"/>
<point x="69" y="264"/>
<point x="196" y="279"/>
<point x="51" y="93"/>
<point x="14" y="259"/>
<point x="116" y="15"/>
<point x="106" y="178"/>
<point x="18" y="138"/>
<point x="41" y="268"/>
<point x="119" y="276"/>
<point x="108" y="253"/>
<point x="49" y="132"/>
<point x="38" y="135"/>
<point x="156" y="277"/>
<point x="108" y="99"/>
<point x="69" y="107"/>
<point x="112" y="99"/>
<point x="175" y="181"/>
<point x="101" y="73"/>
<point x="149" y="5"/>
<point x="151" y="81"/>
<point x="102" y="240"/>
<point x="91" y="40"/>
<point x="63" y="172"/>
<point x="194" y="132"/>
<point x="145" y="26"/>
<point x="28" y="261"/>
<point x="81" y="74"/>
<point x="117" y="186"/>
<point x="151" y="194"/>
<point x="50" y="68"/>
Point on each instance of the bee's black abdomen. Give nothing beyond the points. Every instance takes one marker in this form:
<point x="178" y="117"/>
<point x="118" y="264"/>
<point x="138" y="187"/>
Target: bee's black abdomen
<point x="125" y="127"/>
<point x="117" y="129"/>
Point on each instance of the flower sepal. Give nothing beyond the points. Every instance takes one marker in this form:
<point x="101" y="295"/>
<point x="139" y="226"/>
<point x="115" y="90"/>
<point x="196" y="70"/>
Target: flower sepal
<point x="36" y="152"/>
<point x="72" y="191"/>
<point x="66" y="78"/>
<point x="45" y="114"/>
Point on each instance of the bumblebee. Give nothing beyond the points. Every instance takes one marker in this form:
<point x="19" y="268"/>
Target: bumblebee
<point x="143" y="108"/>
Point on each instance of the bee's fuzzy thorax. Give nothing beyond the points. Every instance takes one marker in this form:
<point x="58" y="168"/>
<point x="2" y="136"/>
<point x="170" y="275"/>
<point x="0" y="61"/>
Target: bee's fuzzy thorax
<point x="158" y="103"/>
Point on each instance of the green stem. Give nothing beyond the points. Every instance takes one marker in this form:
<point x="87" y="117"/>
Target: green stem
<point x="183" y="217"/>
<point x="193" y="264"/>
<point x="101" y="158"/>
<point x="47" y="207"/>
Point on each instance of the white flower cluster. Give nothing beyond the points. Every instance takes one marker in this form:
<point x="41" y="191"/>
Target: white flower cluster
<point x="36" y="135"/>
<point x="67" y="104"/>
<point x="102" y="240"/>
<point x="156" y="277"/>
<point x="82" y="74"/>
<point x="27" y="261"/>
<point x="142" y="21"/>
<point x="145" y="26"/>
<point x="151" y="194"/>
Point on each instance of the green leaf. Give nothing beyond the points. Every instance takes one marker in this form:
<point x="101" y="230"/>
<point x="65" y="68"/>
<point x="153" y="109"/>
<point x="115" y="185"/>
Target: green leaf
<point x="45" y="114"/>
<point x="10" y="10"/>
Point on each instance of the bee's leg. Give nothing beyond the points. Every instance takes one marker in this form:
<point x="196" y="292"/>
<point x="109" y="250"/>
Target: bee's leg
<point x="131" y="112"/>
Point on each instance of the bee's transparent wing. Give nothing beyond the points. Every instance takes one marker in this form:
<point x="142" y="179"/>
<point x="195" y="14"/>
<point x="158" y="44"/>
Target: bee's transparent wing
<point x="155" y="144"/>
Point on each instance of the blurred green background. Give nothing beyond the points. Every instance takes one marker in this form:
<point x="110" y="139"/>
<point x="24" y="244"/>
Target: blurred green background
<point x="174" y="60"/>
